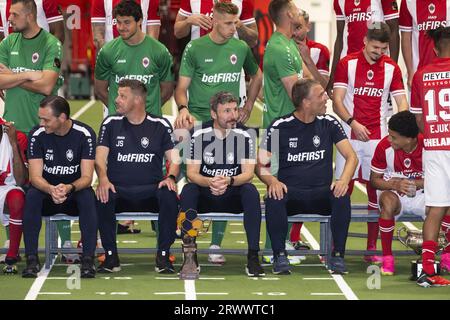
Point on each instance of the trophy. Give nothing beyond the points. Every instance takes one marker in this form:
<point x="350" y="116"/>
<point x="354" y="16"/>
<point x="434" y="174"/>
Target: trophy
<point x="414" y="240"/>
<point x="189" y="226"/>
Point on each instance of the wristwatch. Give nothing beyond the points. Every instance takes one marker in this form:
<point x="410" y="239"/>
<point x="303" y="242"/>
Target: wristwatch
<point x="72" y="189"/>
<point x="349" y="121"/>
<point x="181" y="107"/>
<point x="231" y="181"/>
<point x="171" y="176"/>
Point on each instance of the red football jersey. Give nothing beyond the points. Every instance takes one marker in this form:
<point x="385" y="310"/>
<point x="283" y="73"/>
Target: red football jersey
<point x="398" y="163"/>
<point x="430" y="96"/>
<point x="189" y="7"/>
<point x="418" y="17"/>
<point x="368" y="88"/>
<point x="358" y="14"/>
<point x="47" y="12"/>
<point x="102" y="12"/>
<point x="5" y="177"/>
<point x="320" y="56"/>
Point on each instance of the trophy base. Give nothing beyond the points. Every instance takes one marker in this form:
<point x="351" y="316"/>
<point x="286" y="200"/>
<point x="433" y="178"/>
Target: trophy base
<point x="190" y="269"/>
<point x="416" y="269"/>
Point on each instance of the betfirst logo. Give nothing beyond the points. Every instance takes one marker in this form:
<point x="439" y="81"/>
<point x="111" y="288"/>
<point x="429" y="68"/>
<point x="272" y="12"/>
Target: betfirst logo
<point x="21" y="69"/>
<point x="135" y="157"/>
<point x="145" y="79"/>
<point x="430" y="25"/>
<point x="222" y="77"/>
<point x="359" y="16"/>
<point x="370" y="92"/>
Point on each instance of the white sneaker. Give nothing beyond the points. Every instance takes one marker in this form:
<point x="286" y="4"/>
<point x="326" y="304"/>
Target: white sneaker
<point x="294" y="260"/>
<point x="3" y="256"/>
<point x="69" y="258"/>
<point x="216" y="258"/>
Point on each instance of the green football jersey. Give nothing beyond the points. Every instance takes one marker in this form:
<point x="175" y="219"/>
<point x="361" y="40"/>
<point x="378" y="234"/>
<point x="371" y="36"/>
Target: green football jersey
<point x="212" y="68"/>
<point x="149" y="62"/>
<point x="43" y="52"/>
<point x="281" y="59"/>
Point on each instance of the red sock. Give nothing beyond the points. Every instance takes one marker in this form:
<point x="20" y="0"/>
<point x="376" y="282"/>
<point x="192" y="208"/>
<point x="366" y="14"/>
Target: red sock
<point x="372" y="227"/>
<point x="428" y="252"/>
<point x="15" y="200"/>
<point x="445" y="226"/>
<point x="295" y="232"/>
<point x="386" y="232"/>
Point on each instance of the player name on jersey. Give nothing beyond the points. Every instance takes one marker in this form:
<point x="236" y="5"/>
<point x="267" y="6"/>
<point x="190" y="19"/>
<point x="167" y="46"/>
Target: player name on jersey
<point x="433" y="76"/>
<point x="436" y="142"/>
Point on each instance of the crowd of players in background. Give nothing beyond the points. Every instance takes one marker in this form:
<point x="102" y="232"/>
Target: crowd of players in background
<point x="134" y="77"/>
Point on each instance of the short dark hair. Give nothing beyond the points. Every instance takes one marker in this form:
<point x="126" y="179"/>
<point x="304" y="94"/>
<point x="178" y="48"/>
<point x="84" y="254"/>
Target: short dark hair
<point x="224" y="7"/>
<point x="440" y="36"/>
<point x="301" y="90"/>
<point x="128" y="8"/>
<point x="136" y="86"/>
<point x="58" y="105"/>
<point x="304" y="14"/>
<point x="29" y="4"/>
<point x="275" y="8"/>
<point x="222" y="97"/>
<point x="379" y="31"/>
<point x="404" y="122"/>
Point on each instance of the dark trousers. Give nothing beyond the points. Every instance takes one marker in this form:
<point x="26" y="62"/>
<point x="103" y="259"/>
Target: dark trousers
<point x="38" y="204"/>
<point x="139" y="198"/>
<point x="312" y="201"/>
<point x="236" y="199"/>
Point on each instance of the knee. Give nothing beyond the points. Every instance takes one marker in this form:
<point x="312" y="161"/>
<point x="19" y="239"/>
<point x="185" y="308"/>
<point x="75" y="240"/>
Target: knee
<point x="15" y="201"/>
<point x="389" y="205"/>
<point x="190" y="190"/>
<point x="272" y="203"/>
<point x="249" y="190"/>
<point x="167" y="196"/>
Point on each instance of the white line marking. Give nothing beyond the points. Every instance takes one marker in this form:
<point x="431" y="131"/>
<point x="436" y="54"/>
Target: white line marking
<point x="240" y="242"/>
<point x="169" y="293"/>
<point x="129" y="241"/>
<point x="75" y="231"/>
<point x="212" y="293"/>
<point x="189" y="286"/>
<point x="326" y="294"/>
<point x="410" y="226"/>
<point x="38" y="283"/>
<point x="55" y="293"/>
<point x="235" y="224"/>
<point x="83" y="109"/>
<point x="343" y="286"/>
<point x="237" y="232"/>
<point x="119" y="293"/>
<point x="318" y="279"/>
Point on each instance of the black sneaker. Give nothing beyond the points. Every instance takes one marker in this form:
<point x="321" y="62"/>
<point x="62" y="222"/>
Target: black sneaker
<point x="110" y="265"/>
<point x="163" y="264"/>
<point x="300" y="245"/>
<point x="32" y="268"/>
<point x="10" y="266"/>
<point x="337" y="265"/>
<point x="87" y="267"/>
<point x="281" y="264"/>
<point x="434" y="280"/>
<point x="253" y="267"/>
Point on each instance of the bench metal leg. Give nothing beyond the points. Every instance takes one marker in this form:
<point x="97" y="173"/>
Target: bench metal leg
<point x="48" y="241"/>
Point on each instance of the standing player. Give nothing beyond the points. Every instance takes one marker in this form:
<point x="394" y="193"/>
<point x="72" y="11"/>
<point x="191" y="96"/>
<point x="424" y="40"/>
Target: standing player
<point x="315" y="55"/>
<point x="104" y="24"/>
<point x="416" y="18"/>
<point x="133" y="55"/>
<point x="131" y="143"/>
<point x="220" y="169"/>
<point x="48" y="18"/>
<point x="211" y="64"/>
<point x="363" y="82"/>
<point x="303" y="144"/>
<point x="13" y="174"/>
<point x="61" y="165"/>
<point x="397" y="175"/>
<point x="430" y="99"/>
<point x="352" y="20"/>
